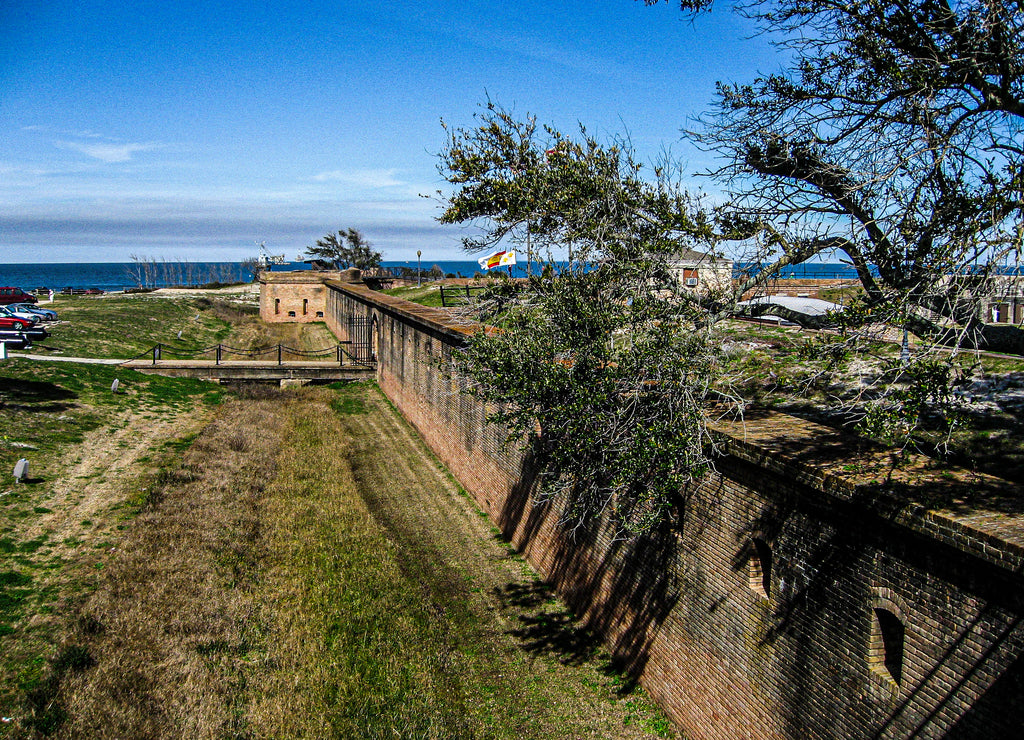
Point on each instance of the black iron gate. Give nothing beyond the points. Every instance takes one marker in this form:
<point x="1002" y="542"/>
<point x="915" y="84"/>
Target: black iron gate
<point x="360" y="334"/>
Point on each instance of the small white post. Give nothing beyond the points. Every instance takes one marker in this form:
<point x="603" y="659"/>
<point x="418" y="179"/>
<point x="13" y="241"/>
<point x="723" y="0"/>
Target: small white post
<point x="3" y="350"/>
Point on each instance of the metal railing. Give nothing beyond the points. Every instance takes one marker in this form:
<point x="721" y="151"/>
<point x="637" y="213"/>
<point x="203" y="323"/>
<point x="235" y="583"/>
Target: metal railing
<point x="459" y="295"/>
<point x="341" y="353"/>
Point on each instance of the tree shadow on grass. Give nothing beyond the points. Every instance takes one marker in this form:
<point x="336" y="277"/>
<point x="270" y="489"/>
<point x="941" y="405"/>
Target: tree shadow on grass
<point x="35" y="395"/>
<point x="622" y="588"/>
<point x="546" y="627"/>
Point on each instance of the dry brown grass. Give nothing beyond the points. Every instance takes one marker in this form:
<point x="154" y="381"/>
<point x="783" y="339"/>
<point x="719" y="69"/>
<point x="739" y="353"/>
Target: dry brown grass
<point x="167" y="627"/>
<point x="253" y="334"/>
<point x="308" y="570"/>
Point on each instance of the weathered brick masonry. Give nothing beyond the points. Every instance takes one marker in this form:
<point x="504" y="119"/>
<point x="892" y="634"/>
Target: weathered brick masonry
<point x="797" y="594"/>
<point x="294" y="296"/>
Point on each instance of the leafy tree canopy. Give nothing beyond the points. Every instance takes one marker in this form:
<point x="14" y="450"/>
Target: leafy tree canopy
<point x="346" y="249"/>
<point x="893" y="142"/>
<point x="601" y="365"/>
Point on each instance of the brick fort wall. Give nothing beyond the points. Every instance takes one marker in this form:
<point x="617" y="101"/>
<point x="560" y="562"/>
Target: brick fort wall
<point x="798" y="591"/>
<point x="294" y="296"/>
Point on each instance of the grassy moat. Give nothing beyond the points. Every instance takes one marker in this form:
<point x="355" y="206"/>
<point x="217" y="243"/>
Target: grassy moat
<point x="188" y="560"/>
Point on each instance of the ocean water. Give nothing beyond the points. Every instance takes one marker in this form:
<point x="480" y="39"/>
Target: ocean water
<point x="116" y="276"/>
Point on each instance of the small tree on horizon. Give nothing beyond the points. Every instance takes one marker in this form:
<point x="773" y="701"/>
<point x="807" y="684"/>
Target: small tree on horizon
<point x="252" y="267"/>
<point x="346" y="249"/>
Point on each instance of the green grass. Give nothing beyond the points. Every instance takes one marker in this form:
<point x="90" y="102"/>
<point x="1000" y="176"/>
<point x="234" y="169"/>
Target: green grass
<point x="123" y="326"/>
<point x="350" y="397"/>
<point x="352" y="620"/>
<point x="380" y="626"/>
<point x="46" y="409"/>
<point x="50" y="405"/>
<point x="427" y="295"/>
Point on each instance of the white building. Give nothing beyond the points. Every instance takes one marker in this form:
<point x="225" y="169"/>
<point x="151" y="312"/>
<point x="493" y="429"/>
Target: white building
<point x="701" y="272"/>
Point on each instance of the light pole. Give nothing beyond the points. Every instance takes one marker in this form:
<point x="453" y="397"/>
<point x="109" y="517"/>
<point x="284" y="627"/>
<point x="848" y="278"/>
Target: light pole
<point x="419" y="272"/>
<point x="905" y="346"/>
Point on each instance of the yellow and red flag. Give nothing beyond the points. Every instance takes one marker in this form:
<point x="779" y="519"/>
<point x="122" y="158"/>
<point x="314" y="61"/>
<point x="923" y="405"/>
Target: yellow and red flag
<point x="498" y="259"/>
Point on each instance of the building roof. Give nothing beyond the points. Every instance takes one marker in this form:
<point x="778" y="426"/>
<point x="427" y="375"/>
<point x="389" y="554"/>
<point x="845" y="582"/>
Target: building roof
<point x="806" y="306"/>
<point x="692" y="255"/>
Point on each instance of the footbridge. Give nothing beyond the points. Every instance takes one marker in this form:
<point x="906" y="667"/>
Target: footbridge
<point x="220" y="362"/>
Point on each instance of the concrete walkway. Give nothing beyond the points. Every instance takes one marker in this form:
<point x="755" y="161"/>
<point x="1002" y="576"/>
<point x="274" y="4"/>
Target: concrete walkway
<point x="55" y="358"/>
<point x="253" y="369"/>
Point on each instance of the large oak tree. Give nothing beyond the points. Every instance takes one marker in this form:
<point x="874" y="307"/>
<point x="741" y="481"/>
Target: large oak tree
<point x="893" y="141"/>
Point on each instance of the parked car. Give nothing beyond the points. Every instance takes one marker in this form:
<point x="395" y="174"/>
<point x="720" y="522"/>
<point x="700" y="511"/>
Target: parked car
<point x="15" y="295"/>
<point x="36" y="332"/>
<point x="13" y="331"/>
<point x="45" y="314"/>
<point x="9" y="326"/>
<point x="28" y="317"/>
<point x="16" y="323"/>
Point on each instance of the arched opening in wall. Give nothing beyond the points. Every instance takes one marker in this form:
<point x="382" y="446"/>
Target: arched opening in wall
<point x="305" y="305"/>
<point x="277" y="305"/>
<point x="885" y="651"/>
<point x="319" y="314"/>
<point x="291" y="313"/>
<point x="759" y="568"/>
<point x="374" y="331"/>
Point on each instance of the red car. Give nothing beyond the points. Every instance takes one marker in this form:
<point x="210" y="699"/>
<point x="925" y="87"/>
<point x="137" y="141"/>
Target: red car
<point x="15" y="295"/>
<point x="10" y="322"/>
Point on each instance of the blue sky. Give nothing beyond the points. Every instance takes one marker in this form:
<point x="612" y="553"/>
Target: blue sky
<point x="194" y="130"/>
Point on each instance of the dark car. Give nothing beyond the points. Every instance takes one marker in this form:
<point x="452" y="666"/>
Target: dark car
<point x="15" y="295"/>
<point x="15" y="339"/>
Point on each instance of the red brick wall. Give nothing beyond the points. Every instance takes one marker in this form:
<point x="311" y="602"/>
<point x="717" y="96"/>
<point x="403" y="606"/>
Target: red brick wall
<point x="293" y="296"/>
<point x="677" y="608"/>
<point x="809" y="288"/>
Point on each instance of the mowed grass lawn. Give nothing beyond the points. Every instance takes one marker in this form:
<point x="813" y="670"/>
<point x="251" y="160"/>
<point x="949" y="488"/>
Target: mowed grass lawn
<point x="93" y="455"/>
<point x="126" y="325"/>
<point x="307" y="569"/>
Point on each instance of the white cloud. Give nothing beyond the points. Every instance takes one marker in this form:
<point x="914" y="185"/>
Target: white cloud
<point x="83" y="134"/>
<point x="380" y="178"/>
<point x="564" y="55"/>
<point x="107" y="152"/>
